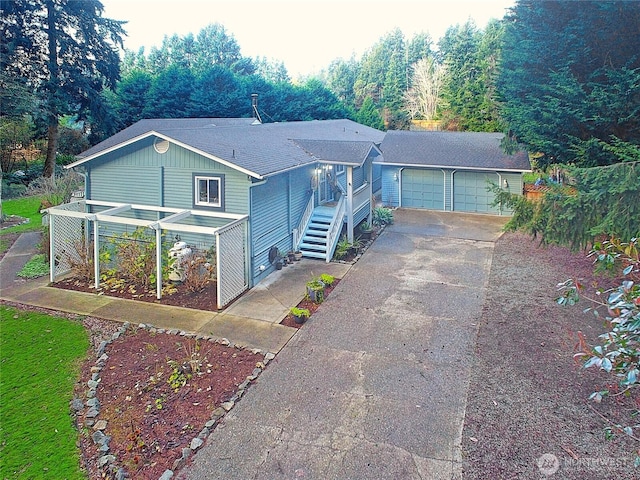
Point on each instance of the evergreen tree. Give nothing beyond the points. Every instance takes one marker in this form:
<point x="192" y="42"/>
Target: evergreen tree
<point x="419" y="47"/>
<point x="131" y="97"/>
<point x="68" y="52"/>
<point x="369" y="115"/>
<point x="569" y="79"/>
<point x="467" y="101"/>
<point x="168" y="96"/>
<point x="341" y="77"/>
<point x="215" y="94"/>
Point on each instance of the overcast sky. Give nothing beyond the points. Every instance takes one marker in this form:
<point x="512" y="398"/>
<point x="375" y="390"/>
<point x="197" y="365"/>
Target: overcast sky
<point x="305" y="34"/>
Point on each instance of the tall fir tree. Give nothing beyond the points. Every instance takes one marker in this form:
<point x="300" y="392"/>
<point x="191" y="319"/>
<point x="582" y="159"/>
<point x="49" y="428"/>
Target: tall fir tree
<point x="68" y="52"/>
<point x="569" y="79"/>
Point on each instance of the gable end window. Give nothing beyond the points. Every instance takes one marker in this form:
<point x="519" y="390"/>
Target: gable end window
<point x="208" y="191"/>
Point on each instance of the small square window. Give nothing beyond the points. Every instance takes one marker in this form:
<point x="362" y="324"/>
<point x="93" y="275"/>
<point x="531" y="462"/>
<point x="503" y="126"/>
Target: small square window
<point x="208" y="191"/>
<point x="339" y="169"/>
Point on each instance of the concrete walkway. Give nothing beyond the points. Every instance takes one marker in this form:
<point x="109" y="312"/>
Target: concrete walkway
<point x="375" y="385"/>
<point x="252" y="321"/>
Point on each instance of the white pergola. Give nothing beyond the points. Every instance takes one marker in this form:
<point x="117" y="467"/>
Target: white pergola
<point x="231" y="238"/>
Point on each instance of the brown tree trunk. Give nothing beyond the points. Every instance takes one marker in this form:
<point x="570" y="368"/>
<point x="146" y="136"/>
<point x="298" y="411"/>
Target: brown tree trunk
<point x="52" y="88"/>
<point x="52" y="146"/>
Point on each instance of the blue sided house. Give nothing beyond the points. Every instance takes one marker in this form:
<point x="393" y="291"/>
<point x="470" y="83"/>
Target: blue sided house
<point x="278" y="186"/>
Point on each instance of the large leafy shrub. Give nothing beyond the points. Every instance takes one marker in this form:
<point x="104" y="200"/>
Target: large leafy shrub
<point x="618" y="350"/>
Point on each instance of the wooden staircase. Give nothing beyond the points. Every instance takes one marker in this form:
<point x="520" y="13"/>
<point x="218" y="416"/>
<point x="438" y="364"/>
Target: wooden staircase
<point x="314" y="240"/>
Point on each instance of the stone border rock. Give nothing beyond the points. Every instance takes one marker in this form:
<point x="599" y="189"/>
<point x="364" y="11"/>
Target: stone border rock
<point x="106" y="461"/>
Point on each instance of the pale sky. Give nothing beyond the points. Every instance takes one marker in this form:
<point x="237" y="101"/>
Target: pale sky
<point x="304" y="34"/>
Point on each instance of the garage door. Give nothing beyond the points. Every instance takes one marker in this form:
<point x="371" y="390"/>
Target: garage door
<point x="422" y="188"/>
<point x="470" y="192"/>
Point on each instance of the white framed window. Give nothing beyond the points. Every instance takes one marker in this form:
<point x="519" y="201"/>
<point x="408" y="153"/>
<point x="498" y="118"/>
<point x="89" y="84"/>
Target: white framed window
<point x="208" y="191"/>
<point x="339" y="169"/>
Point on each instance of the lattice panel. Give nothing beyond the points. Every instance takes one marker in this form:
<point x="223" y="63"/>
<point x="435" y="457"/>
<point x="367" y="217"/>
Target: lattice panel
<point x="232" y="273"/>
<point x="68" y="236"/>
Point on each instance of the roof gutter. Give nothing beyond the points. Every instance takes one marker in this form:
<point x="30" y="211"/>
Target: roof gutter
<point x="453" y="167"/>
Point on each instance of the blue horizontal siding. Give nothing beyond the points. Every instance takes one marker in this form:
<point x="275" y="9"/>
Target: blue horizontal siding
<point x="141" y="175"/>
<point x="390" y="186"/>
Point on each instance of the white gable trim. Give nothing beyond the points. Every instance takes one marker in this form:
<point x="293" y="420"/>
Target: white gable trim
<point x="169" y="139"/>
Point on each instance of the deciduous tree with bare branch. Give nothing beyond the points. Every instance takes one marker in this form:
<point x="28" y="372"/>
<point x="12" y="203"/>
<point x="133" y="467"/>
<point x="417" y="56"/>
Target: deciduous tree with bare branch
<point x="422" y="99"/>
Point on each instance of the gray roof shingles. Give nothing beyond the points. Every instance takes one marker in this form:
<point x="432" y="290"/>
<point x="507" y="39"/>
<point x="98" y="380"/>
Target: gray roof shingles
<point x="263" y="149"/>
<point x="346" y="152"/>
<point x="477" y="150"/>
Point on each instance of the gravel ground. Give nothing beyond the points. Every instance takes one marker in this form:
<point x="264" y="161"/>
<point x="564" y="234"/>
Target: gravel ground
<point x="528" y="413"/>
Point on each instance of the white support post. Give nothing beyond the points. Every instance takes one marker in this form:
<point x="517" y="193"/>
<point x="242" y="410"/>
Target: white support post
<point x="370" y="188"/>
<point x="96" y="253"/>
<point x="158" y="263"/>
<point x="349" y="204"/>
<point x="52" y="250"/>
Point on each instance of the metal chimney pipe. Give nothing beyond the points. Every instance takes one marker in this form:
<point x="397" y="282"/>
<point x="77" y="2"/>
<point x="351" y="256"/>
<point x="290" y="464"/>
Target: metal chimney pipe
<point x="254" y="107"/>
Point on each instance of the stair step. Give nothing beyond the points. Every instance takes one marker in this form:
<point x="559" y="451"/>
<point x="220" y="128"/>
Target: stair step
<point x="317" y="233"/>
<point x="316" y="224"/>
<point x="314" y="255"/>
<point x="312" y="246"/>
<point x="312" y="242"/>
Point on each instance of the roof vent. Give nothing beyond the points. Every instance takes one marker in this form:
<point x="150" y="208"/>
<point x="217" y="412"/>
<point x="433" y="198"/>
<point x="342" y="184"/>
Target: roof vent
<point x="161" y="145"/>
<point x="254" y="108"/>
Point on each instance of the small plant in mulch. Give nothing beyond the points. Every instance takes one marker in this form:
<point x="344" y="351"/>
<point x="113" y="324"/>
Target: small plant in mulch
<point x="182" y="371"/>
<point x="37" y="266"/>
<point x="198" y="272"/>
<point x="300" y="314"/>
<point x="79" y="257"/>
<point x="382" y="216"/>
<point x="315" y="290"/>
<point x="306" y="305"/>
<point x="327" y="279"/>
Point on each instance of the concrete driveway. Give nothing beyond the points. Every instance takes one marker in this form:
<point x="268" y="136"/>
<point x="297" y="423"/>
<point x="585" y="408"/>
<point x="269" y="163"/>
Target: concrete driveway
<point x="375" y="384"/>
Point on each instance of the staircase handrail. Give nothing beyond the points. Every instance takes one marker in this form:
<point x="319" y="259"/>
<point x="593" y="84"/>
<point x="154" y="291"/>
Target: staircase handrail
<point x="298" y="232"/>
<point x="336" y="227"/>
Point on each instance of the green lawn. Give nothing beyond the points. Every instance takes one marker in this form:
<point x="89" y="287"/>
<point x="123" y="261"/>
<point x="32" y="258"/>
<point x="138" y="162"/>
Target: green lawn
<point x="40" y="358"/>
<point x="26" y="207"/>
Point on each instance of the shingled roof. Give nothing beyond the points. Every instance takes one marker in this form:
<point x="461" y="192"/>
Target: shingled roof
<point x="258" y="149"/>
<point x="341" y="152"/>
<point x="464" y="150"/>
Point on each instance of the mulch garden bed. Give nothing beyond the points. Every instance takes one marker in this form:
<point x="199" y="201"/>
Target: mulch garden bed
<point x="153" y="401"/>
<point x="181" y="297"/>
<point x="289" y="320"/>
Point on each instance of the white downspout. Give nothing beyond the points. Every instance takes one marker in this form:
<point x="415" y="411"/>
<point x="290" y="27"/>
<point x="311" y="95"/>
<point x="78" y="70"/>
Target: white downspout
<point x="371" y="199"/>
<point x="452" y="195"/>
<point x="247" y="235"/>
<point x="400" y="186"/>
<point x="444" y="189"/>
<point x="502" y="187"/>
